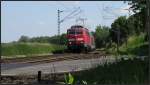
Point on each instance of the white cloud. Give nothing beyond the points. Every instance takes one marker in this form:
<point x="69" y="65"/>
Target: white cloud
<point x="125" y="10"/>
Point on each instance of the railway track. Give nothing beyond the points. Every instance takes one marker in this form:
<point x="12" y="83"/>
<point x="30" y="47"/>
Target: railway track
<point x="54" y="57"/>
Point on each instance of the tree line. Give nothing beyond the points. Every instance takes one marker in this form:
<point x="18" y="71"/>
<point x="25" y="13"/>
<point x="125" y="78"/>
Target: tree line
<point x="124" y="27"/>
<point x="45" y="39"/>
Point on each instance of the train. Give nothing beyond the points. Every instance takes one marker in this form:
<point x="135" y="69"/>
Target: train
<point x="80" y="39"/>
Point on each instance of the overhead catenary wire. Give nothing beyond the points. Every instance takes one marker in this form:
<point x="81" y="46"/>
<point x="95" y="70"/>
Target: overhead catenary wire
<point x="71" y="14"/>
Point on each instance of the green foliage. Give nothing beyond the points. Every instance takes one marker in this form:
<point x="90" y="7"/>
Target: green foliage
<point x="131" y="26"/>
<point x="132" y="71"/>
<point x="136" y="40"/>
<point x="139" y="8"/>
<point x="46" y="39"/>
<point x="24" y="39"/>
<point x="84" y="82"/>
<point x="141" y="50"/>
<point x="112" y="49"/>
<point x="119" y="28"/>
<point x="124" y="28"/>
<point x="136" y="45"/>
<point x="69" y="79"/>
<point x="63" y="39"/>
<point x="101" y="36"/>
<point x="9" y="49"/>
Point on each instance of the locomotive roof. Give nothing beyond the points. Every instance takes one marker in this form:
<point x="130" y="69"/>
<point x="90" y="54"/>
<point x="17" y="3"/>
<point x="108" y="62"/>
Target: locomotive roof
<point x="77" y="27"/>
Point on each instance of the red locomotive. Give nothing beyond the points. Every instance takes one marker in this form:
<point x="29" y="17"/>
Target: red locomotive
<point x="80" y="39"/>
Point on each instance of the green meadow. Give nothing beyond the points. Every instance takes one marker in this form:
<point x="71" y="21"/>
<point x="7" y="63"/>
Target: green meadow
<point x="12" y="49"/>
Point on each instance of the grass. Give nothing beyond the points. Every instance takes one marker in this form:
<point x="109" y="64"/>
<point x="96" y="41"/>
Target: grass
<point x="112" y="49"/>
<point x="132" y="71"/>
<point x="11" y="49"/>
<point x="136" y="45"/>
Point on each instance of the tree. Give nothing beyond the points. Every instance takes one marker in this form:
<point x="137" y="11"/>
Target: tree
<point x="119" y="28"/>
<point x="23" y="39"/>
<point x="139" y="8"/>
<point x="101" y="36"/>
<point x="42" y="39"/>
<point x="63" y="39"/>
<point x="46" y="39"/>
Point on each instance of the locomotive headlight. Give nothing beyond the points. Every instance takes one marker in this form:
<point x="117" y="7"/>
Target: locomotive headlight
<point x="70" y="43"/>
<point x="71" y="39"/>
<point x="81" y="42"/>
<point x="79" y="39"/>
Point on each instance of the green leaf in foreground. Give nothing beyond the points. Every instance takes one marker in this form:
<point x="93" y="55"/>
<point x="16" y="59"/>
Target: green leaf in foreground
<point x="69" y="79"/>
<point x="84" y="82"/>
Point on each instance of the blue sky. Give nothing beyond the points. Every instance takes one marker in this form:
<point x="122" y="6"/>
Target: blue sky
<point x="39" y="18"/>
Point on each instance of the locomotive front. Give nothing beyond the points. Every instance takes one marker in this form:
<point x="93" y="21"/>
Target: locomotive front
<point x="78" y="38"/>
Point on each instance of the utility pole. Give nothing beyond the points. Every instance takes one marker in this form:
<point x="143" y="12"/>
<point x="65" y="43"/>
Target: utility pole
<point x="67" y="17"/>
<point x="118" y="39"/>
<point x="59" y="21"/>
<point x="59" y="42"/>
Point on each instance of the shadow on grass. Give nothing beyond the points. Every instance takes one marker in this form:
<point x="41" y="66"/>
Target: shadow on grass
<point x="58" y="52"/>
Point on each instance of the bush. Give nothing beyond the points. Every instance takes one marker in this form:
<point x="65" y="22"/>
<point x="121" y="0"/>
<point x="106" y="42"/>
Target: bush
<point x="136" y="45"/>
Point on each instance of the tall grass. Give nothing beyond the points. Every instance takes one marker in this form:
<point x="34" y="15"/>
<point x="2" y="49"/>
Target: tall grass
<point x="136" y="45"/>
<point x="134" y="41"/>
<point x="122" y="72"/>
<point x="9" y="49"/>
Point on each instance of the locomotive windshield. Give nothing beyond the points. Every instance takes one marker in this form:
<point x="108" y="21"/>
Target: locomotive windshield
<point x="75" y="29"/>
<point x="74" y="32"/>
<point x="77" y="26"/>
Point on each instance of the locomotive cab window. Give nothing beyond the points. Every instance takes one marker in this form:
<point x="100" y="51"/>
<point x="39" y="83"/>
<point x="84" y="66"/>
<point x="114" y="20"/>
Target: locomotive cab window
<point x="74" y="32"/>
<point x="79" y="32"/>
<point x="71" y="32"/>
<point x="87" y="33"/>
